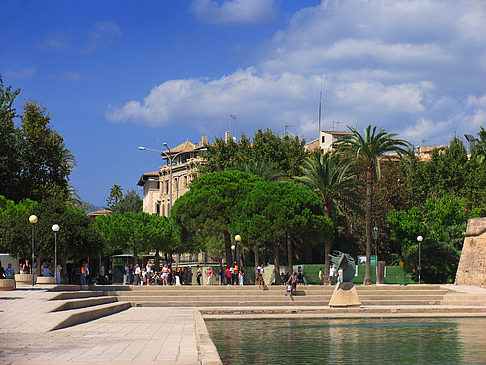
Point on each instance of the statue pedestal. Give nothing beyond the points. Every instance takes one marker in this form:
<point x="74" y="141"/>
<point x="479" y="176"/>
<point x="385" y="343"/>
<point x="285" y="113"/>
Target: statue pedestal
<point x="345" y="295"/>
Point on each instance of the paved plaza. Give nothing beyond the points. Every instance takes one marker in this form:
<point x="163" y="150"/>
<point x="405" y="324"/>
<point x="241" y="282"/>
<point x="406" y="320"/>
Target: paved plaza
<point x="137" y="335"/>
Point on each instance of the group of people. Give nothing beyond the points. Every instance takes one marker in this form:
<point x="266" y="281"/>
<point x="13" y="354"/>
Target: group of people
<point x="228" y="275"/>
<point x="148" y="275"/>
<point x="26" y="268"/>
<point x="8" y="273"/>
<point x="332" y="273"/>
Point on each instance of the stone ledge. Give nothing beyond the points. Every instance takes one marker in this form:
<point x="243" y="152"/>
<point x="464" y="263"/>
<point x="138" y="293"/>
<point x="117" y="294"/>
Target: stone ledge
<point x="25" y="278"/>
<point x="7" y="284"/>
<point x="46" y="280"/>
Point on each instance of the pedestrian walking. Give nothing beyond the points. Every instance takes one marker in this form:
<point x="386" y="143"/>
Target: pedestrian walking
<point x="241" y="277"/>
<point x="321" y="277"/>
<point x="198" y="276"/>
<point x="209" y="275"/>
<point x="332" y="271"/>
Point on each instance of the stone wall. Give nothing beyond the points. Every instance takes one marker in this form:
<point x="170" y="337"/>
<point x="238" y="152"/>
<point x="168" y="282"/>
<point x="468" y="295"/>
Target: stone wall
<point x="472" y="265"/>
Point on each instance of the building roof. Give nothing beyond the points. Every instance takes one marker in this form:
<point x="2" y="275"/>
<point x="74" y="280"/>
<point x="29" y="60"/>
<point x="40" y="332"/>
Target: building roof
<point x="184" y="147"/>
<point x="145" y="176"/>
<point x="100" y="212"/>
<point x="312" y="145"/>
<point x="338" y="132"/>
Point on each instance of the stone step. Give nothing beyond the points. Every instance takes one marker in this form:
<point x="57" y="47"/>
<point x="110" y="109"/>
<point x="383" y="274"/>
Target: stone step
<point x="84" y="303"/>
<point x="77" y="294"/>
<point x="77" y="316"/>
<point x="303" y="291"/>
<point x="326" y="309"/>
<point x="256" y="288"/>
<point x="285" y="302"/>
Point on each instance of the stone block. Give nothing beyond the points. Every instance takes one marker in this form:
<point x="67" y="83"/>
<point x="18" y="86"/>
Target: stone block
<point x="7" y="284"/>
<point x="471" y="266"/>
<point x="46" y="280"/>
<point x="25" y="278"/>
<point x="345" y="295"/>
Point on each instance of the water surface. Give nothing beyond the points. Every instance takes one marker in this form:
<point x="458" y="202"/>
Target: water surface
<point x="338" y="341"/>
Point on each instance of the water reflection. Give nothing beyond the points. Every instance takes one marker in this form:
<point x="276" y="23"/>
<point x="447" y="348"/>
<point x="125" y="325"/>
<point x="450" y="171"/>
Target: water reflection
<point x="390" y="341"/>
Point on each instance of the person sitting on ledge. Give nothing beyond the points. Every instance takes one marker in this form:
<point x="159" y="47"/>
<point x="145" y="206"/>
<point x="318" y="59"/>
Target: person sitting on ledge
<point x="2" y="271"/>
<point x="10" y="273"/>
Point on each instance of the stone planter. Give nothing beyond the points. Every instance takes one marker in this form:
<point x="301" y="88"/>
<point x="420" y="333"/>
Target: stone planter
<point x="24" y="278"/>
<point x="7" y="284"/>
<point x="46" y="280"/>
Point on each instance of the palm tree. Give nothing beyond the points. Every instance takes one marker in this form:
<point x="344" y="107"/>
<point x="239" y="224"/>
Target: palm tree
<point x="115" y="195"/>
<point x="331" y="178"/>
<point x="369" y="149"/>
<point x="479" y="149"/>
<point x="267" y="170"/>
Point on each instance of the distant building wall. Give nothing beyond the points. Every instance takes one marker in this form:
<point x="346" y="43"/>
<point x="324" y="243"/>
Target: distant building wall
<point x="472" y="264"/>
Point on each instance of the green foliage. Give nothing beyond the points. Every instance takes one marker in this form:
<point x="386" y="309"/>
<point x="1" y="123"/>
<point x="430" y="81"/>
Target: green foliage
<point x="15" y="229"/>
<point x="441" y="223"/>
<point x="46" y="161"/>
<point x="445" y="173"/>
<point x="76" y="237"/>
<point x="130" y="202"/>
<point x="286" y="153"/>
<point x="206" y="209"/>
<point x="368" y="150"/>
<point x="272" y="211"/>
<point x="10" y="161"/>
<point x="267" y="170"/>
<point x="139" y="232"/>
<point x="331" y="178"/>
<point x="116" y="194"/>
<point x="479" y="151"/>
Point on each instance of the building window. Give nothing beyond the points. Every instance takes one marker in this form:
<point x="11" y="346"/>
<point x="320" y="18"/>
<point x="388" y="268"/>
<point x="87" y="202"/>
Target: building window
<point x="157" y="208"/>
<point x="323" y="139"/>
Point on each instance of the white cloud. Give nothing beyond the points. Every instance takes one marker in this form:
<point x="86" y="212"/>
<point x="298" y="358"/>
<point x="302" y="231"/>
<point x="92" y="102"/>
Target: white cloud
<point x="71" y="76"/>
<point x="103" y="34"/>
<point x="56" y="40"/>
<point x="213" y="100"/>
<point x="23" y="73"/>
<point x="415" y="67"/>
<point x="242" y="12"/>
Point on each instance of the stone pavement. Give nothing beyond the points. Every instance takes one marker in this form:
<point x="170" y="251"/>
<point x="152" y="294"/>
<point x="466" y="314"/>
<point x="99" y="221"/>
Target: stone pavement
<point x="137" y="335"/>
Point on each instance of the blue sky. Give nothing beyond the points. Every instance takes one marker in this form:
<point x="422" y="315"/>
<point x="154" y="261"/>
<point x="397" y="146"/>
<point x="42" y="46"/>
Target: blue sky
<point x="117" y="75"/>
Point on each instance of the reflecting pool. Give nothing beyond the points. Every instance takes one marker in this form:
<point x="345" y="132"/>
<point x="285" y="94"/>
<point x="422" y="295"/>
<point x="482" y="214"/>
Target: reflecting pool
<point x="339" y="341"/>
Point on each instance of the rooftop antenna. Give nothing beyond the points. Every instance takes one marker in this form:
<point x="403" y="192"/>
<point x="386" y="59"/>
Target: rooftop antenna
<point x="320" y="111"/>
<point x="337" y="125"/>
<point x="233" y="117"/>
<point x="287" y="126"/>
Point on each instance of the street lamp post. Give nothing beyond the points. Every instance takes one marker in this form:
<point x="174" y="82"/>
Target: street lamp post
<point x="233" y="247"/>
<point x="55" y="229"/>
<point x="33" y="221"/>
<point x="375" y="233"/>
<point x="419" y="239"/>
<point x="238" y="240"/>
<point x="171" y="161"/>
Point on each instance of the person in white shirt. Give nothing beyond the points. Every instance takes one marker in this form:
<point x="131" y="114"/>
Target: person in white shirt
<point x="138" y="271"/>
<point x="332" y="270"/>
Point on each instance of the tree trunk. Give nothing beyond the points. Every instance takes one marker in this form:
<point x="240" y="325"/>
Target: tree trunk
<point x="64" y="272"/>
<point x="227" y="248"/>
<point x="290" y="255"/>
<point x="327" y="249"/>
<point x="276" y="263"/>
<point x="369" y="197"/>
<point x="257" y="256"/>
<point x="135" y="255"/>
<point x="157" y="260"/>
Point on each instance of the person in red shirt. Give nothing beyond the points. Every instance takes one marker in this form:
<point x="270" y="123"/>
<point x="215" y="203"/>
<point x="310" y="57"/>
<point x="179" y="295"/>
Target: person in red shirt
<point x="228" y="275"/>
